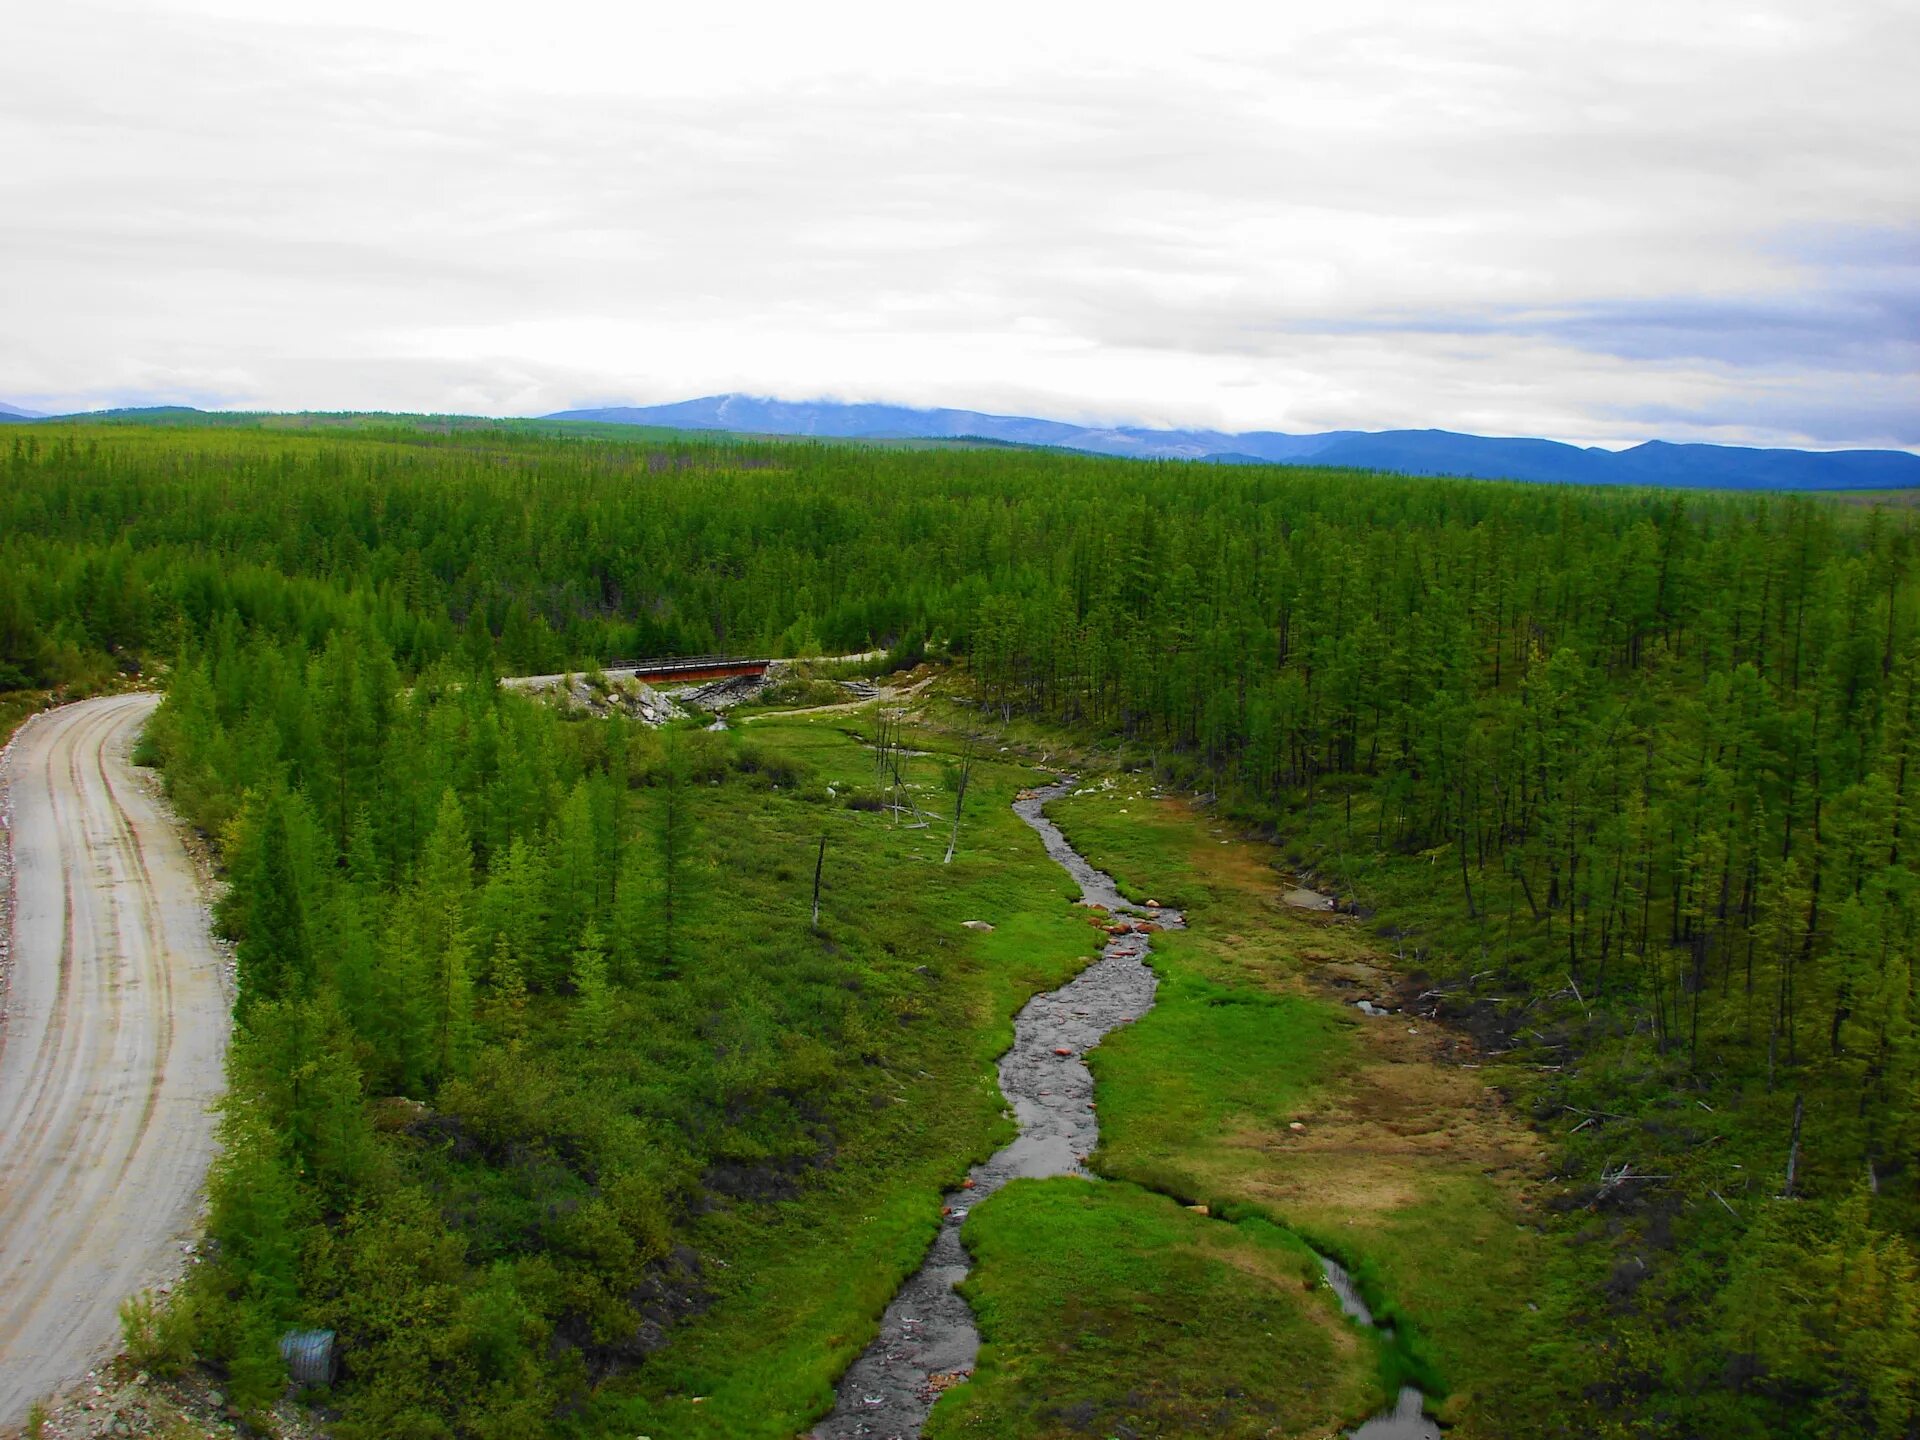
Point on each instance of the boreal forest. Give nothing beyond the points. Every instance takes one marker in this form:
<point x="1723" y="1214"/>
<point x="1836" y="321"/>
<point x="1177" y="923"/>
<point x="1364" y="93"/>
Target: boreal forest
<point x="592" y="1077"/>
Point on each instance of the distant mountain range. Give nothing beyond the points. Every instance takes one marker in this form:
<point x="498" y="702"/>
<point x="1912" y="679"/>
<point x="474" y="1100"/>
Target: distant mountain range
<point x="1418" y="452"/>
<point x="1412" y="452"/>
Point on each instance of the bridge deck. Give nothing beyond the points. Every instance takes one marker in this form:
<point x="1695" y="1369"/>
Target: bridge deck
<point x="689" y="667"/>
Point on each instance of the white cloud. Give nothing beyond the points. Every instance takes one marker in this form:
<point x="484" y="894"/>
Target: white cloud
<point x="1587" y="223"/>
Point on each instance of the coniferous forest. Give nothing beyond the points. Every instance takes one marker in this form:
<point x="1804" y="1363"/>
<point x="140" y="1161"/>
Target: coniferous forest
<point x="537" y="1044"/>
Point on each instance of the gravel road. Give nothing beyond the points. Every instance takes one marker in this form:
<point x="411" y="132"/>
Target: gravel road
<point x="110" y="1048"/>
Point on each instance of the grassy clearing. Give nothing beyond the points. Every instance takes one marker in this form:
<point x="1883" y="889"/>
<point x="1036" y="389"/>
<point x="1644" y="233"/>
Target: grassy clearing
<point x="1107" y="1310"/>
<point x="1407" y="1169"/>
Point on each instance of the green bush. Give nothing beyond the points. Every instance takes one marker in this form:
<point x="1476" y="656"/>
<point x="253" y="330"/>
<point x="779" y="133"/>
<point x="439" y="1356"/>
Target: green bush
<point x="158" y="1335"/>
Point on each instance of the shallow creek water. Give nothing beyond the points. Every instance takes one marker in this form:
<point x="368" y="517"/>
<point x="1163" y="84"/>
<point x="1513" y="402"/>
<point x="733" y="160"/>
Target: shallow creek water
<point x="1407" y="1420"/>
<point x="928" y="1341"/>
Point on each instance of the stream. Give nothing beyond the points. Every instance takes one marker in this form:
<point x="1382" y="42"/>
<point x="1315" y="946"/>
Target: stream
<point x="928" y="1341"/>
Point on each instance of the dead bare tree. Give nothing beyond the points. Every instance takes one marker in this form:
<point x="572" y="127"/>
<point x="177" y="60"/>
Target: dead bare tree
<point x="1793" y="1148"/>
<point x="961" y="775"/>
<point x="819" y="865"/>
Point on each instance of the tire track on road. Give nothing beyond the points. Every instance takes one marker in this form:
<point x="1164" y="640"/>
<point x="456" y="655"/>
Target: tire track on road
<point x="58" y="1036"/>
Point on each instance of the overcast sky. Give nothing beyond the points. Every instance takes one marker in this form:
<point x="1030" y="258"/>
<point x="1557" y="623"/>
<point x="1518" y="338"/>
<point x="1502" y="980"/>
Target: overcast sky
<point x="1600" y="222"/>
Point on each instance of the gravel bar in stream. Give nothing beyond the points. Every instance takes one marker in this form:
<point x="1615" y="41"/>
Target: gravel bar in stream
<point x="927" y="1340"/>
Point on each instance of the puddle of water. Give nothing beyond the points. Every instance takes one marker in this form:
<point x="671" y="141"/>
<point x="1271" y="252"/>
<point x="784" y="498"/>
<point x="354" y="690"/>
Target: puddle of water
<point x="1407" y="1420"/>
<point x="927" y="1339"/>
<point x="1351" y="1305"/>
<point x="1302" y="898"/>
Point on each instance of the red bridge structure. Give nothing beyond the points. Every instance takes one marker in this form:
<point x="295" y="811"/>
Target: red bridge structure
<point x="687" y="667"/>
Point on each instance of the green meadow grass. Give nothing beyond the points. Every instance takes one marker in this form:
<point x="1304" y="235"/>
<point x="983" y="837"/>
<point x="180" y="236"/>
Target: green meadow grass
<point x="1106" y="1309"/>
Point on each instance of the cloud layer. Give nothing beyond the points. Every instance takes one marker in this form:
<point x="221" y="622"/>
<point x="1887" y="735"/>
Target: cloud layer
<point x="1502" y="217"/>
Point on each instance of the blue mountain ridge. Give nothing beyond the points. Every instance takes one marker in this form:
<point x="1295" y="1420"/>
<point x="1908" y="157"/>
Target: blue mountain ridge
<point x="1417" y="452"/>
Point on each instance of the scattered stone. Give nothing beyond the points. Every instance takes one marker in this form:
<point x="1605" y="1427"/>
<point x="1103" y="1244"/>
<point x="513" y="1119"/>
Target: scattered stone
<point x="1153" y="904"/>
<point x="976" y="925"/>
<point x="1295" y="1125"/>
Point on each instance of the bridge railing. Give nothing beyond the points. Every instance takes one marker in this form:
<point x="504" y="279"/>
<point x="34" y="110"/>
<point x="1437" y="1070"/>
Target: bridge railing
<point x="689" y="664"/>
